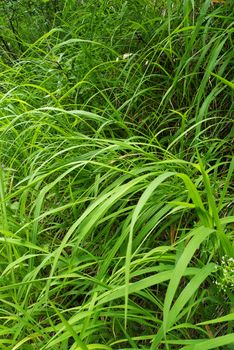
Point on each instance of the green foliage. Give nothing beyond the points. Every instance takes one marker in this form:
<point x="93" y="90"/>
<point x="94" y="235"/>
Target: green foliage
<point x="116" y="143"/>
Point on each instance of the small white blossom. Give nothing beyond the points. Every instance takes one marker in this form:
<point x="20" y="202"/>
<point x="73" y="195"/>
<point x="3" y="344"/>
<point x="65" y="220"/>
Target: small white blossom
<point x="127" y="55"/>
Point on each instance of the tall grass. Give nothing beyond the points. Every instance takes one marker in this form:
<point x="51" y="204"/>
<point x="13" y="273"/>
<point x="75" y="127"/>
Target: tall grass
<point x="116" y="178"/>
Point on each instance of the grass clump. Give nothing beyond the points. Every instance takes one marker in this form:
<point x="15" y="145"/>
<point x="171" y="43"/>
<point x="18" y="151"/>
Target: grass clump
<point x="116" y="143"/>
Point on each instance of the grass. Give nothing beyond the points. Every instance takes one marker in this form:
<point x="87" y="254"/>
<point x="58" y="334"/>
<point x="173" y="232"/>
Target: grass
<point x="116" y="176"/>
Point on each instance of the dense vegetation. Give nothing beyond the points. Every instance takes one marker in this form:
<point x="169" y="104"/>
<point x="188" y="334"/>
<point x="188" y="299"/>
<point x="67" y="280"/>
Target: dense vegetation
<point x="116" y="142"/>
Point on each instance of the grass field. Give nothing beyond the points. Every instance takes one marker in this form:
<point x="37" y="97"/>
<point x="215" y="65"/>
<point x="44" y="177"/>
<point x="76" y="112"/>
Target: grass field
<point x="116" y="192"/>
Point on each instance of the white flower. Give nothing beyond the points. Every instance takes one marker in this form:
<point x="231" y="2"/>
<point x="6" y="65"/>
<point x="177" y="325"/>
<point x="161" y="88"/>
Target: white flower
<point x="127" y="55"/>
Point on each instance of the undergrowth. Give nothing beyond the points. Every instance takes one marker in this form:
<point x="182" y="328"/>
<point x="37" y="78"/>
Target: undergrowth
<point x="116" y="144"/>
